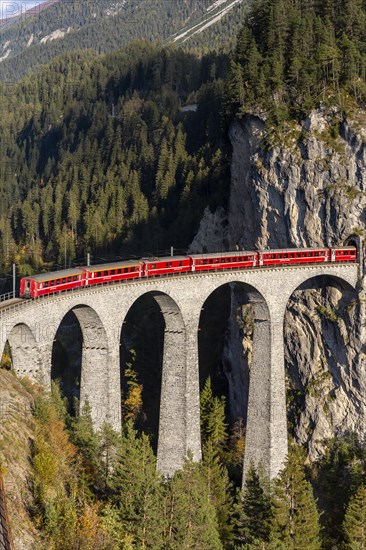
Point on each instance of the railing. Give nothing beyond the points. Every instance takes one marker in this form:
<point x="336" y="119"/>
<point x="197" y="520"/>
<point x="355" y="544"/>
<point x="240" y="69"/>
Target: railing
<point x="7" y="296"/>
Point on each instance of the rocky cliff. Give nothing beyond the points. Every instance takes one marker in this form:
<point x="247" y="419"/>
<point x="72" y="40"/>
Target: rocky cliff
<point x="303" y="186"/>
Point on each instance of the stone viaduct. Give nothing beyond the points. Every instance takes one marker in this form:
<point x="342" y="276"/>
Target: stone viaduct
<point x="30" y="328"/>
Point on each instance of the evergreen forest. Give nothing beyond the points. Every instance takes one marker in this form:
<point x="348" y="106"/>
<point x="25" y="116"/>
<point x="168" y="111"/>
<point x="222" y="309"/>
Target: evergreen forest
<point x="100" y="156"/>
<point x="28" y="41"/>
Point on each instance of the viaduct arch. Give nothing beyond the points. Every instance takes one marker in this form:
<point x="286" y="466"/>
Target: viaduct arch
<point x="101" y="311"/>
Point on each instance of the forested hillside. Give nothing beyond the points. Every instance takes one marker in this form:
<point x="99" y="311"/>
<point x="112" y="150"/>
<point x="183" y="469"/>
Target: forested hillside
<point x="70" y="487"/>
<point x="291" y="55"/>
<point x="106" y="25"/>
<point x="99" y="156"/>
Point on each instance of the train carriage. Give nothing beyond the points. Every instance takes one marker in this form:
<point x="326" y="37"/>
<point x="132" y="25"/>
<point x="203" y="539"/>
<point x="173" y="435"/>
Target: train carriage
<point x="49" y="283"/>
<point x="167" y="266"/>
<point x="294" y="256"/>
<point x="344" y="254"/>
<point x="220" y="261"/>
<point x="109" y="273"/>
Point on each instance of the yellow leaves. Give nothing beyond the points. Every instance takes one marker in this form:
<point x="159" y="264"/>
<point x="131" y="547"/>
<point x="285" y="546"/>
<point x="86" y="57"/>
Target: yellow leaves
<point x="133" y="403"/>
<point x="89" y="528"/>
<point x="45" y="463"/>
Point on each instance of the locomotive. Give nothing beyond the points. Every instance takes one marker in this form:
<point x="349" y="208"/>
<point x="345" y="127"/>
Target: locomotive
<point x="81" y="277"/>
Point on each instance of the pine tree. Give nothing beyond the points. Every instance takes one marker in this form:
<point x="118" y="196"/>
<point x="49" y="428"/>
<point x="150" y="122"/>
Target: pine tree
<point x="206" y="399"/>
<point x="216" y="423"/>
<point x="219" y="490"/>
<point x="84" y="437"/>
<point x="252" y="512"/>
<point x="192" y="517"/>
<point x="295" y="521"/>
<point x="136" y="492"/>
<point x="354" y="525"/>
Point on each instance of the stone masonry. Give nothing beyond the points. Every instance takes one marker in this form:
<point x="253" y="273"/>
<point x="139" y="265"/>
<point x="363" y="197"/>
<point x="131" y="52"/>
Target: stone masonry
<point x="30" y="328"/>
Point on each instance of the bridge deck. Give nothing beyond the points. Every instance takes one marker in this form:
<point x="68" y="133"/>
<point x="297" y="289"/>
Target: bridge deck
<point x="13" y="304"/>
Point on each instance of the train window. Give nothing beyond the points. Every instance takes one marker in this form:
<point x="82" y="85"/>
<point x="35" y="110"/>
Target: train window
<point x="291" y="255"/>
<point x="154" y="266"/>
<point x="112" y="272"/>
<point x="69" y="279"/>
<point x="180" y="264"/>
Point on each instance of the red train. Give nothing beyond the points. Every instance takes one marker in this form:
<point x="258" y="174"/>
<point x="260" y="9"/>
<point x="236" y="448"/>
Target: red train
<point x="78" y="277"/>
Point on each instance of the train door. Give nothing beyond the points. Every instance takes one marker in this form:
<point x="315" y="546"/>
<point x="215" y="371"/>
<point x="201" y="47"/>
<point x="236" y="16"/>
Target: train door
<point x="26" y="290"/>
<point x="260" y="258"/>
<point x="193" y="260"/>
<point x="332" y="255"/>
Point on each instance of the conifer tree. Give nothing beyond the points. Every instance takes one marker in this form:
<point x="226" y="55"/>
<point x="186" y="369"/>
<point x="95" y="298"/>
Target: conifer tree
<point x="219" y="490"/>
<point x="252" y="512"/>
<point x="295" y="521"/>
<point x="136" y="492"/>
<point x="206" y="399"/>
<point x="216" y="424"/>
<point x="354" y="525"/>
<point x="192" y="517"/>
<point x="213" y="416"/>
<point x="83" y="435"/>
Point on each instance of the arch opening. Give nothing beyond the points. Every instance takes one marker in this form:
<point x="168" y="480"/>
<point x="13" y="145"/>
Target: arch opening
<point x="80" y="357"/>
<point x="234" y="351"/>
<point x="22" y="352"/>
<point x="321" y="331"/>
<point x="141" y="364"/>
<point x="154" y="325"/>
<point x="67" y="359"/>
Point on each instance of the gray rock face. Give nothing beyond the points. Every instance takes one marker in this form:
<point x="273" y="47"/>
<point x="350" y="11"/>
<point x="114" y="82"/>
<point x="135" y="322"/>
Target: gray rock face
<point x="304" y="188"/>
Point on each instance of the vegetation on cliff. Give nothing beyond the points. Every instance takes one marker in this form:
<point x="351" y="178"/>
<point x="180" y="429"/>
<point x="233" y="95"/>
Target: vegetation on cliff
<point x="291" y="55"/>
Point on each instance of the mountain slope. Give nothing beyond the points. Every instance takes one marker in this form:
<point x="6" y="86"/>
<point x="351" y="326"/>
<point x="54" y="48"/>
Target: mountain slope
<point x="109" y="25"/>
